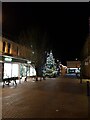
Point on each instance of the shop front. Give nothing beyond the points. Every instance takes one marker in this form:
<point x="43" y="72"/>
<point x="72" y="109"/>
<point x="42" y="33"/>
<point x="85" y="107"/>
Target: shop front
<point x="32" y="71"/>
<point x="11" y="70"/>
<point x="73" y="70"/>
<point x="0" y="71"/>
<point x="11" y="67"/>
<point x="16" y="67"/>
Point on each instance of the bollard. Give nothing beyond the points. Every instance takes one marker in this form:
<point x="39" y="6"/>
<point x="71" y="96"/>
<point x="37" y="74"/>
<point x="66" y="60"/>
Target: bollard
<point x="20" y="81"/>
<point x="88" y="88"/>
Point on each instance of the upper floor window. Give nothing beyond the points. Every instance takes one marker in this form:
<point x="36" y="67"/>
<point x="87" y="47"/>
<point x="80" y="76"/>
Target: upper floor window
<point x="4" y="45"/>
<point x="17" y="50"/>
<point x="9" y="47"/>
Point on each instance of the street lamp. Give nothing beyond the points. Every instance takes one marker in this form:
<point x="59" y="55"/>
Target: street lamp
<point x="76" y="59"/>
<point x="33" y="52"/>
<point x="57" y="60"/>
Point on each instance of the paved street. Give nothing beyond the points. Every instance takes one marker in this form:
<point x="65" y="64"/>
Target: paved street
<point x="62" y="97"/>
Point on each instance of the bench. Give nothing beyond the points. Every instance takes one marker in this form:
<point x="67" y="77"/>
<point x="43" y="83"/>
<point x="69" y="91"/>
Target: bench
<point x="7" y="81"/>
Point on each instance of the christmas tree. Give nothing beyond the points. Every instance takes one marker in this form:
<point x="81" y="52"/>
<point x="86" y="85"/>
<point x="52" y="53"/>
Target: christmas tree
<point x="50" y="68"/>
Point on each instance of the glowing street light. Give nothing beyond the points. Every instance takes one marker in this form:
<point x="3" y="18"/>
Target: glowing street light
<point x="33" y="52"/>
<point x="76" y="59"/>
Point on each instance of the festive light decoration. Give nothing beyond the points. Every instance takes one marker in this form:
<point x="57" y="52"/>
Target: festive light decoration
<point x="50" y="68"/>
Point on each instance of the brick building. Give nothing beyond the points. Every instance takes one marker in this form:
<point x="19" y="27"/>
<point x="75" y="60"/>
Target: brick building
<point x="15" y="60"/>
<point x="86" y="59"/>
<point x="72" y="66"/>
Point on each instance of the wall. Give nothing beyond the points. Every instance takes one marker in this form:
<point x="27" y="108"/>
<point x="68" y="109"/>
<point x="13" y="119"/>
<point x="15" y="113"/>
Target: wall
<point x="16" y="50"/>
<point x="0" y="45"/>
<point x="86" y="59"/>
<point x="73" y="64"/>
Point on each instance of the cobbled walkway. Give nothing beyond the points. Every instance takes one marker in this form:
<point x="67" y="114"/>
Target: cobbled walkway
<point x="62" y="97"/>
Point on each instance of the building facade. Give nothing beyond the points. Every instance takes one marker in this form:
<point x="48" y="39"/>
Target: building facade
<point x="86" y="59"/>
<point x="72" y="66"/>
<point x="85" y="56"/>
<point x="15" y="60"/>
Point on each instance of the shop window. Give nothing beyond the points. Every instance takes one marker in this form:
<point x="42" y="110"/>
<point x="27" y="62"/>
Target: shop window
<point x="7" y="70"/>
<point x="9" y="47"/>
<point x="14" y="70"/>
<point x="4" y="45"/>
<point x="10" y="70"/>
<point x="23" y="70"/>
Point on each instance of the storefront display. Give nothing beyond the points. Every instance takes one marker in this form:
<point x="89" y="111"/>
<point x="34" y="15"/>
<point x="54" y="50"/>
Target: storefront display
<point x="23" y="70"/>
<point x="7" y="70"/>
<point x="10" y="70"/>
<point x="15" y="69"/>
<point x="32" y="71"/>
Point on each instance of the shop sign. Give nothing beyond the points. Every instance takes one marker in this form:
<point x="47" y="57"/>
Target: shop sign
<point x="8" y="59"/>
<point x="28" y="62"/>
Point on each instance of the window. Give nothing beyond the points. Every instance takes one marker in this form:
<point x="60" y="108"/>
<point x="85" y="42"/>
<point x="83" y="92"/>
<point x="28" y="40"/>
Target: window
<point x="17" y="50"/>
<point x="86" y="62"/>
<point x="9" y="47"/>
<point x="4" y="45"/>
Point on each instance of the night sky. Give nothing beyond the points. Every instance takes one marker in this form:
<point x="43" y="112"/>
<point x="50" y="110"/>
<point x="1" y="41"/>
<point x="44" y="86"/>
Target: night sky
<point x="65" y="23"/>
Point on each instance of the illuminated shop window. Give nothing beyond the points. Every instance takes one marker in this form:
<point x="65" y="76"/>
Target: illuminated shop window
<point x="7" y="70"/>
<point x="10" y="70"/>
<point x="22" y="70"/>
<point x="32" y="71"/>
<point x="15" y="70"/>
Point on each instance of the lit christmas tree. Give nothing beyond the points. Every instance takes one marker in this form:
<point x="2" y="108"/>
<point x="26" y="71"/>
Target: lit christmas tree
<point x="50" y="68"/>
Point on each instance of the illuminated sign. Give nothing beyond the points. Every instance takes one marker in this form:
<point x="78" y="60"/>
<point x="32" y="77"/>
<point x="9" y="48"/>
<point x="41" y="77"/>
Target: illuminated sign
<point x="8" y="59"/>
<point x="28" y="62"/>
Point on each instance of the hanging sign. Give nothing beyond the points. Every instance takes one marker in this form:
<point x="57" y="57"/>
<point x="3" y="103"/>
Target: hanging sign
<point x="8" y="59"/>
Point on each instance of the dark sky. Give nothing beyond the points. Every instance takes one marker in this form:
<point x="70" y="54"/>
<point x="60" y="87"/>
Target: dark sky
<point x="66" y="24"/>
